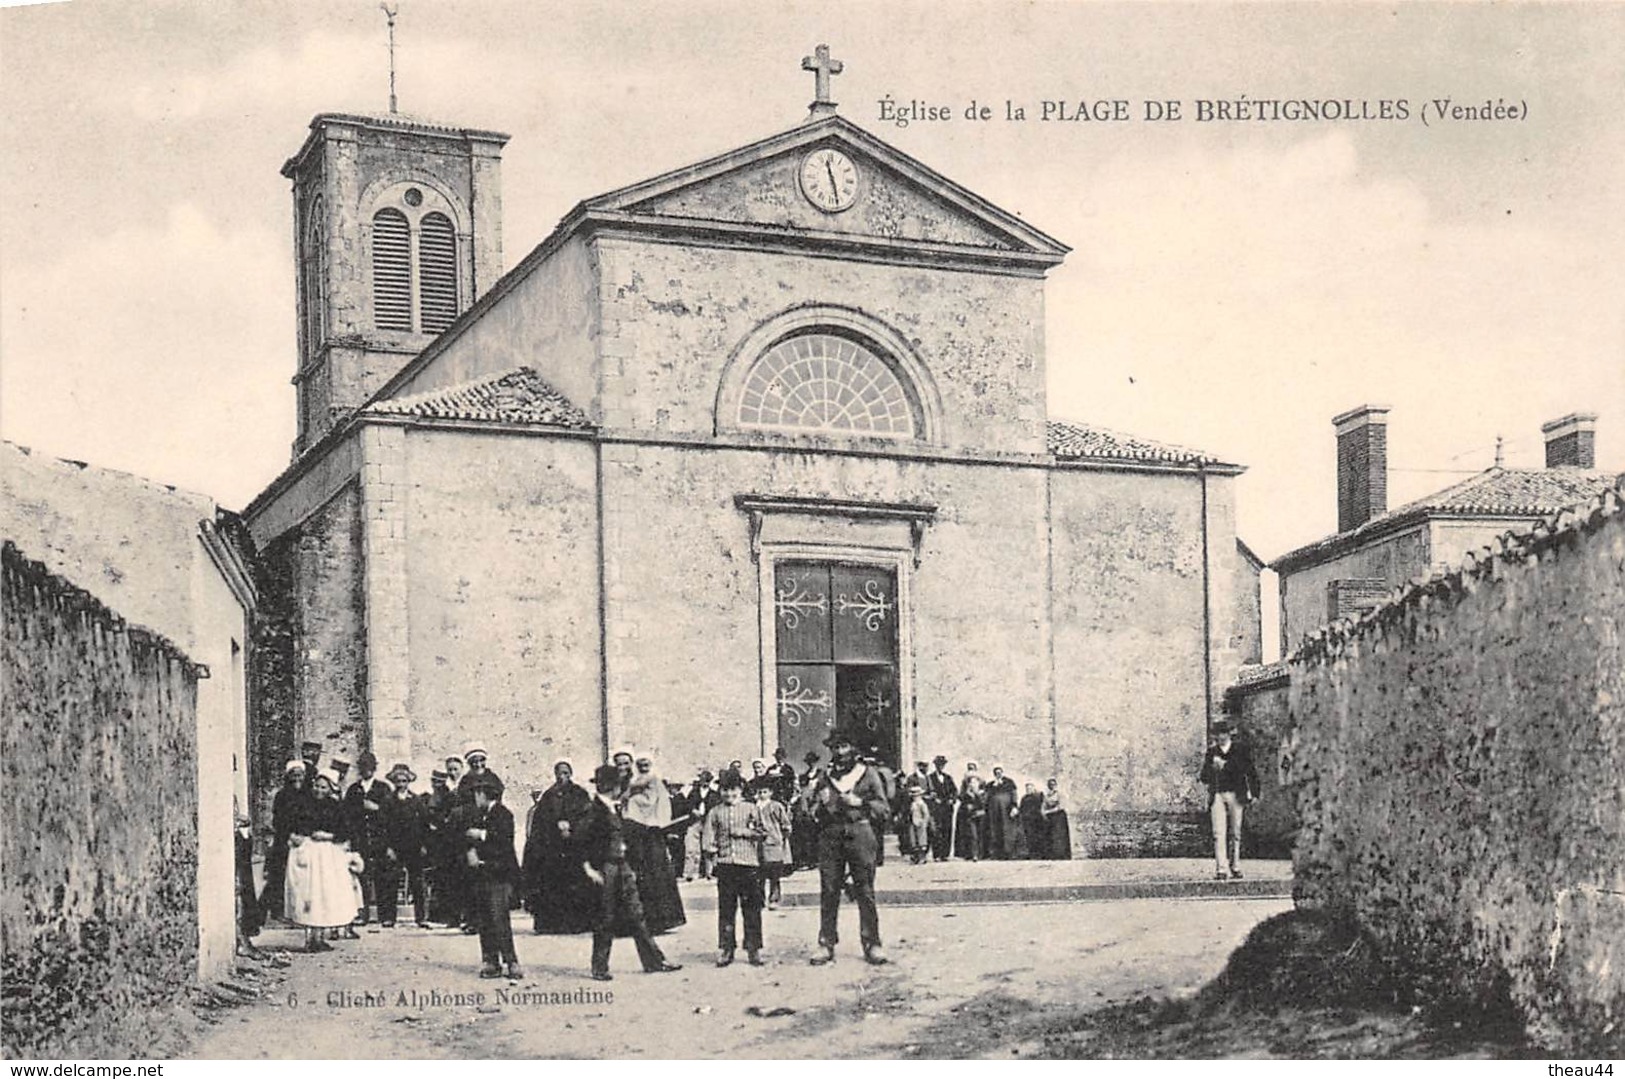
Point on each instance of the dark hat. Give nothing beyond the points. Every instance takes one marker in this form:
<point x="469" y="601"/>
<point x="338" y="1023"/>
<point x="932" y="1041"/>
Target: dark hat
<point x="939" y="759"/>
<point x="606" y="775"/>
<point x="840" y="737"/>
<point x="732" y="780"/>
<point x="444" y="777"/>
<point x="367" y="761"/>
<point x="1224" y="726"/>
<point x="487" y="782"/>
<point x="339" y="766"/>
<point x="705" y="775"/>
<point x="811" y="757"/>
<point x="402" y="770"/>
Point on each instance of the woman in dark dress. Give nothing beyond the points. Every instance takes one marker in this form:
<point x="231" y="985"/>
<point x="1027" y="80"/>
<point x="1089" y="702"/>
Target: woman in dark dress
<point x="1059" y="832"/>
<point x="1001" y="815"/>
<point x="648" y="814"/>
<point x="560" y="897"/>
<point x="287" y="810"/>
<point x="1033" y="843"/>
<point x="970" y="831"/>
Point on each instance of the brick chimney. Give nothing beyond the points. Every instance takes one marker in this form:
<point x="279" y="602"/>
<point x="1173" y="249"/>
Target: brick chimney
<point x="1571" y="441"/>
<point x="1362" y="465"/>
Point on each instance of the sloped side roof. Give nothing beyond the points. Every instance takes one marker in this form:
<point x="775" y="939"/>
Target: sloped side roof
<point x="1506" y="491"/>
<point x="1071" y="441"/>
<point x="516" y="396"/>
<point x="1495" y="492"/>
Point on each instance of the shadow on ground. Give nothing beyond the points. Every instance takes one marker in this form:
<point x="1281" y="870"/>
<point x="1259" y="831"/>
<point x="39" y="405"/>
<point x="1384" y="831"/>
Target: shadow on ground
<point x="1300" y="986"/>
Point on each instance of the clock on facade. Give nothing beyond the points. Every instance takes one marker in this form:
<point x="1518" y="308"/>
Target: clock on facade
<point x="829" y="179"/>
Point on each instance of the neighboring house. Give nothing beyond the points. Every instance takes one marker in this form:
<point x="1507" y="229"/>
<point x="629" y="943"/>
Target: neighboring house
<point x="168" y="561"/>
<point x="740" y="452"/>
<point x="1376" y="550"/>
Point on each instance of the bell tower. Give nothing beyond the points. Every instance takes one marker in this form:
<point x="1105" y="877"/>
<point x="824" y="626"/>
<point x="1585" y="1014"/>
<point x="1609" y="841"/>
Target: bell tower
<point x="397" y="230"/>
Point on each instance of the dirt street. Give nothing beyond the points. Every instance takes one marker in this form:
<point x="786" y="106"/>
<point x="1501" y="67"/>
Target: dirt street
<point x="958" y="976"/>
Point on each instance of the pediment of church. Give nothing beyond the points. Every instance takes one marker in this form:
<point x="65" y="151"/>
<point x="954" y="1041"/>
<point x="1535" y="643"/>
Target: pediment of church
<point x="893" y="199"/>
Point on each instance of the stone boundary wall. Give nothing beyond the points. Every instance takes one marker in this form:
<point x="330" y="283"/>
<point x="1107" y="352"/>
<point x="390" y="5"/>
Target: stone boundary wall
<point x="1459" y="753"/>
<point x="98" y="821"/>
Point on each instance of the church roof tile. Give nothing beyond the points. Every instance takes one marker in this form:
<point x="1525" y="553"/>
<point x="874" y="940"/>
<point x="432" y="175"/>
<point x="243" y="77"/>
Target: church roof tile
<point x="516" y="396"/>
<point x="1070" y="441"/>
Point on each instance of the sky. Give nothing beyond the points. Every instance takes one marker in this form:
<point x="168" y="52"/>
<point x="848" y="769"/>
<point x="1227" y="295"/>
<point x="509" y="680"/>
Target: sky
<point x="1232" y="285"/>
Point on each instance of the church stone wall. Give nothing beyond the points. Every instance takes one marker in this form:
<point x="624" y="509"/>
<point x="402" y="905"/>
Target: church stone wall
<point x="502" y="558"/>
<point x="548" y="321"/>
<point x="684" y="649"/>
<point x="672" y="315"/>
<point x="1130" y="710"/>
<point x="328" y="631"/>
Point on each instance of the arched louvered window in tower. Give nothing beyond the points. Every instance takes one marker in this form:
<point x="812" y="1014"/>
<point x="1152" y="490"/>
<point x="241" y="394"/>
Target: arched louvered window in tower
<point x="315" y="279"/>
<point x="391" y="271"/>
<point x="437" y="272"/>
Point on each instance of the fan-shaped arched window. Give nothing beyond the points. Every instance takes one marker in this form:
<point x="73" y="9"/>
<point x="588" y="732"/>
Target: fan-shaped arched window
<point x="391" y="270"/>
<point x="437" y="272"/>
<point x="827" y="382"/>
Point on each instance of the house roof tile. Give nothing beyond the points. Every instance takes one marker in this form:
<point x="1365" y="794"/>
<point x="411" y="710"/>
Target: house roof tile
<point x="1495" y="492"/>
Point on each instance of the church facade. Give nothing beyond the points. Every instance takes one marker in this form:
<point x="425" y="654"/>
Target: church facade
<point x="750" y="449"/>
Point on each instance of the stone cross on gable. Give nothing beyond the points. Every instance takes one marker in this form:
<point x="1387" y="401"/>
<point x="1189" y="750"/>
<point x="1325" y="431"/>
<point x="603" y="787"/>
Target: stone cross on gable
<point x="822" y="68"/>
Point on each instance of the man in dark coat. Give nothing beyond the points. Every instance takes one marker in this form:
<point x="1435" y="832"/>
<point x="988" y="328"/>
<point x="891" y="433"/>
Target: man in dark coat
<point x="604" y="854"/>
<point x="1232" y="783"/>
<point x="781" y="776"/>
<point x="850" y="810"/>
<point x="444" y="851"/>
<point x="495" y="872"/>
<point x="942" y="795"/>
<point x="405" y="848"/>
<point x="804" y="833"/>
<point x="560" y="898"/>
<point x="363" y="808"/>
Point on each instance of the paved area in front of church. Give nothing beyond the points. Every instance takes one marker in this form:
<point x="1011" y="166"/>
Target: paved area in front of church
<point x="964" y="981"/>
<point x="901" y="883"/>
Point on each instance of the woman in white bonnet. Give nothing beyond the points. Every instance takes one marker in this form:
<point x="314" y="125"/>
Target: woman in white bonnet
<point x="322" y="892"/>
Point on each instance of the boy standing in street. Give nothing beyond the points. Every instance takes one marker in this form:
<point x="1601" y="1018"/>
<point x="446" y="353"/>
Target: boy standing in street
<point x="495" y="870"/>
<point x="732" y="836"/>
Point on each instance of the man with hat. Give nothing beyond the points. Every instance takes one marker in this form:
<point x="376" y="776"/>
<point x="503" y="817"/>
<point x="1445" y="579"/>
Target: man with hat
<point x="405" y="847"/>
<point x="1232" y="783"/>
<point x="850" y="810"/>
<point x="603" y="844"/>
<point x="942" y="795"/>
<point x="363" y="807"/>
<point x="494" y="870"/>
<point x="781" y="775"/>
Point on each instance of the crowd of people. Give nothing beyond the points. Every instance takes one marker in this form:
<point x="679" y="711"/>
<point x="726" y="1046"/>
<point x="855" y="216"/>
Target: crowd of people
<point x="608" y="860"/>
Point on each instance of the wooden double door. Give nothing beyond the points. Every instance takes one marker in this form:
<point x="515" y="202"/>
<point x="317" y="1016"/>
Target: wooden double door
<point x="836" y="645"/>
